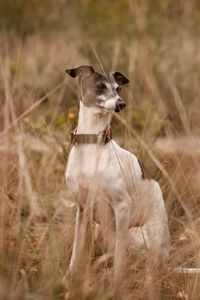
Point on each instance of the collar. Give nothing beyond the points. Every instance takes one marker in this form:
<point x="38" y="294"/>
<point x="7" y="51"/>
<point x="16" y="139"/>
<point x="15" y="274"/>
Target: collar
<point x="101" y="138"/>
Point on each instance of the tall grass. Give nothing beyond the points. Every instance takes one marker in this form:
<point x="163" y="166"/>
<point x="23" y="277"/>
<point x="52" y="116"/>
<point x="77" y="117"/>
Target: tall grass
<point x="161" y="125"/>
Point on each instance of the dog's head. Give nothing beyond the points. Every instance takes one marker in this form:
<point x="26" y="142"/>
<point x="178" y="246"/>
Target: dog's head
<point x="100" y="90"/>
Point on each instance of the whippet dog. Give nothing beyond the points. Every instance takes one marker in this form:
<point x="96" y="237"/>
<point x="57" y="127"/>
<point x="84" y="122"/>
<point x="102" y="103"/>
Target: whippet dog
<point x="110" y="180"/>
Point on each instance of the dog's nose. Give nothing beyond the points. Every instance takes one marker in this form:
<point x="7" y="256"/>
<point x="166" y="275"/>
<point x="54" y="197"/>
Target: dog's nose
<point x="120" y="104"/>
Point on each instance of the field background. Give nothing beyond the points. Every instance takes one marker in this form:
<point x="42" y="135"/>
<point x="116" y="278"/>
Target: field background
<point x="156" y="44"/>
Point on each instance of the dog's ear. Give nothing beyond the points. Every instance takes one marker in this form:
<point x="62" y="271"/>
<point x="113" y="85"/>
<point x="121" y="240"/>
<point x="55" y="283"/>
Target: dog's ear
<point x="83" y="71"/>
<point x="120" y="78"/>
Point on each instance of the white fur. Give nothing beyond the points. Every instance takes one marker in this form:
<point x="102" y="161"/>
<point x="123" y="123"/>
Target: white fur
<point x="92" y="119"/>
<point x="110" y="175"/>
<point x="109" y="104"/>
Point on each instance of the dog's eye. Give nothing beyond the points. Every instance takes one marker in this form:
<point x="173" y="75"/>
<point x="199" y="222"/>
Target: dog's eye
<point x="118" y="89"/>
<point x="101" y="86"/>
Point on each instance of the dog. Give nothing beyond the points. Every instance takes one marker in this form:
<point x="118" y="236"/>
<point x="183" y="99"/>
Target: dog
<point x="109" y="181"/>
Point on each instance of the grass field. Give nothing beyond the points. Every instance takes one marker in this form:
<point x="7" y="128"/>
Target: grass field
<point x="156" y="44"/>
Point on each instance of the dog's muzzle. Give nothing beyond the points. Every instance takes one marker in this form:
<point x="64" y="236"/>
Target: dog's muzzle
<point x="120" y="104"/>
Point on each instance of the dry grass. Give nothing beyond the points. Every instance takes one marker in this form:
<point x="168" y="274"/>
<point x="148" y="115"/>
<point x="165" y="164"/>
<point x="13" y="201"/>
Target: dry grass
<point x="161" y="125"/>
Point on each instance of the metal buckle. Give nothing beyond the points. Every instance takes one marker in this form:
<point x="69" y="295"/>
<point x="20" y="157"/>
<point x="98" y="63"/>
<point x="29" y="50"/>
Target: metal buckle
<point x="105" y="136"/>
<point x="100" y="138"/>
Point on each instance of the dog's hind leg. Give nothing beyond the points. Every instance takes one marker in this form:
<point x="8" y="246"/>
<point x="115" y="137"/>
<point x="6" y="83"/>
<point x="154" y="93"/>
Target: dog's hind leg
<point x="137" y="240"/>
<point x="150" y="238"/>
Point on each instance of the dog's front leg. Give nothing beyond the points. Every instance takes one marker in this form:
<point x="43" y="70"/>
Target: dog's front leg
<point x="79" y="219"/>
<point x="80" y="229"/>
<point x="121" y="211"/>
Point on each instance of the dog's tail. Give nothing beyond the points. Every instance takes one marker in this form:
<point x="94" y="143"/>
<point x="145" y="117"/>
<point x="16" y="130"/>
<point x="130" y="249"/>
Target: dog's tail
<point x="182" y="270"/>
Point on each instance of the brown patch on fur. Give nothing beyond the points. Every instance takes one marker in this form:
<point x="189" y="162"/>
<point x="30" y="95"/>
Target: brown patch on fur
<point x="91" y="84"/>
<point x="145" y="172"/>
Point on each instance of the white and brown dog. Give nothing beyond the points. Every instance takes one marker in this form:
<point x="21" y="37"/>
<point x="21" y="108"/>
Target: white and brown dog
<point x="109" y="181"/>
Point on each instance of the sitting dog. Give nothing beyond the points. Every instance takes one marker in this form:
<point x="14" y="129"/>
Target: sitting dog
<point x="108" y="181"/>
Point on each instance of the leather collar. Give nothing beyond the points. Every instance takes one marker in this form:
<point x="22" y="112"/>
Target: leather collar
<point x="102" y="138"/>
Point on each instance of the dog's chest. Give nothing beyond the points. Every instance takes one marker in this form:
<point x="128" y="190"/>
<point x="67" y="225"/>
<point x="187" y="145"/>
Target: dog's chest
<point x="108" y="169"/>
<point x="90" y="166"/>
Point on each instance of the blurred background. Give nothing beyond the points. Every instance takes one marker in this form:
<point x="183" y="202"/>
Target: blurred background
<point x="156" y="44"/>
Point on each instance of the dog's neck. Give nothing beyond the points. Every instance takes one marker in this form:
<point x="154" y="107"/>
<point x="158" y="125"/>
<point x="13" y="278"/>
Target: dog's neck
<point x="91" y="121"/>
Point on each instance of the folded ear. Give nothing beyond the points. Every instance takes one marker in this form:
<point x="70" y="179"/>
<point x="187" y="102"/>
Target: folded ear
<point x="82" y="71"/>
<point x="120" y="78"/>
